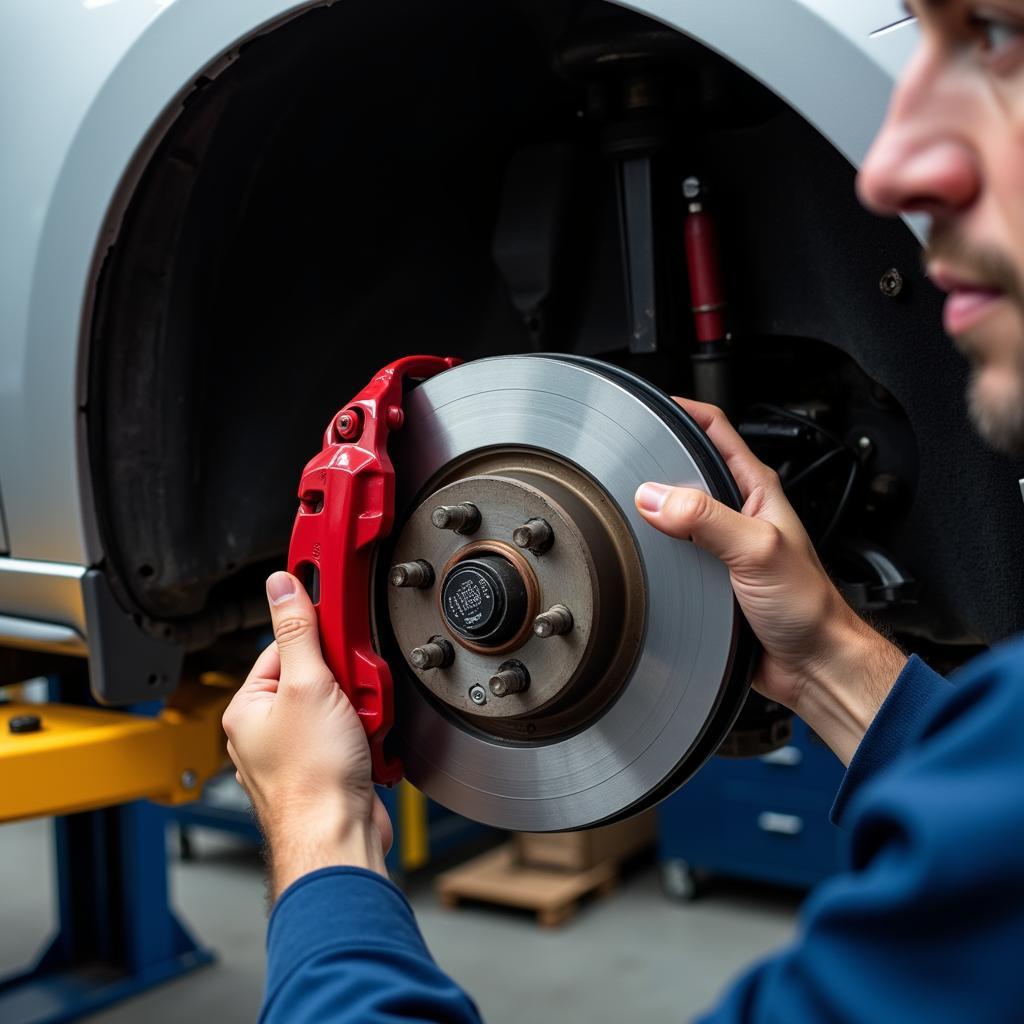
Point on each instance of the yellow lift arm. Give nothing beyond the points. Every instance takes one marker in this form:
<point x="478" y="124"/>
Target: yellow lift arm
<point x="80" y="759"/>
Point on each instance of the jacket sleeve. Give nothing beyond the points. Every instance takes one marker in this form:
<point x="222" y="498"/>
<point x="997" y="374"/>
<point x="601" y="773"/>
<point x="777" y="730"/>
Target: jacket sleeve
<point x="343" y="946"/>
<point x="926" y="922"/>
<point x="914" y="696"/>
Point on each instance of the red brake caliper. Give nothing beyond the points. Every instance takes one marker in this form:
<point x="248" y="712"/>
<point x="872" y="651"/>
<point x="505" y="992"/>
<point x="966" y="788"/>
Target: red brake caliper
<point x="347" y="505"/>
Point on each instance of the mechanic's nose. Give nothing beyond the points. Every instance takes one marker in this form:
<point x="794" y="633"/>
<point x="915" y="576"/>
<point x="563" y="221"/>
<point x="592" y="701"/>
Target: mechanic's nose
<point x="916" y="163"/>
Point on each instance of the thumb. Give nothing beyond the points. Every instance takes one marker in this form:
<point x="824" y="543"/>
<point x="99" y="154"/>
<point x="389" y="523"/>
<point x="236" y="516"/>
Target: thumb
<point x="693" y="514"/>
<point x="296" y="631"/>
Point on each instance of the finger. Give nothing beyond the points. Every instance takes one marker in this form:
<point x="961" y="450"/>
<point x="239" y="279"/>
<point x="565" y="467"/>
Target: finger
<point x="296" y="632"/>
<point x="747" y="469"/>
<point x="688" y="513"/>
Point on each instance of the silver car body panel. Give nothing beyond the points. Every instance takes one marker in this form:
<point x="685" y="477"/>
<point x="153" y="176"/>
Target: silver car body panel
<point x="41" y="606"/>
<point x="88" y="88"/>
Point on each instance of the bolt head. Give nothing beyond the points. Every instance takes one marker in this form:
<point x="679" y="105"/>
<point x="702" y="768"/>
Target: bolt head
<point x="478" y="695"/>
<point x="891" y="283"/>
<point x="347" y="425"/>
<point x="21" y="724"/>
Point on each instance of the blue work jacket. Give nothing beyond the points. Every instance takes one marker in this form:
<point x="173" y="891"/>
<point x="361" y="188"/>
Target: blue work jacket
<point x="926" y="924"/>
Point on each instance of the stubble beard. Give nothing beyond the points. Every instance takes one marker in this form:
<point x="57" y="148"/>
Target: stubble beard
<point x="998" y="418"/>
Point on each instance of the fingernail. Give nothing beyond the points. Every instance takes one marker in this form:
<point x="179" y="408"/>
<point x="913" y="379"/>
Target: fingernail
<point x="280" y="587"/>
<point x="650" y="497"/>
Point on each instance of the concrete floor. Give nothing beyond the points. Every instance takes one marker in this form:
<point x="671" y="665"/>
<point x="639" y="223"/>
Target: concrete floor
<point x="632" y="956"/>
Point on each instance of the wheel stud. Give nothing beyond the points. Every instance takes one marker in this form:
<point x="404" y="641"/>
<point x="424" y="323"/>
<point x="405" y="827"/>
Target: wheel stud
<point x="556" y="621"/>
<point x="462" y="518"/>
<point x="511" y="677"/>
<point x="436" y="653"/>
<point x="418" y="574"/>
<point x="535" y="535"/>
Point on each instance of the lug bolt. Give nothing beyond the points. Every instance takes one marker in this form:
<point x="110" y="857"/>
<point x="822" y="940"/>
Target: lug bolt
<point x="511" y="677"/>
<point x="436" y="653"/>
<point x="477" y="694"/>
<point x="462" y="518"/>
<point x="418" y="574"/>
<point x="556" y="621"/>
<point x="535" y="535"/>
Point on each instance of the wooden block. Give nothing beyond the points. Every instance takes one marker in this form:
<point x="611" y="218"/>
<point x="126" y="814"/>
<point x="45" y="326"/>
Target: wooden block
<point x="497" y="877"/>
<point x="580" y="850"/>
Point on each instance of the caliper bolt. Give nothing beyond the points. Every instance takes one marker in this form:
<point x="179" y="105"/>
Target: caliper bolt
<point x="348" y="424"/>
<point x="535" y="535"/>
<point x="462" y="518"/>
<point x="436" y="653"/>
<point x="556" y="621"/>
<point x="418" y="574"/>
<point x="511" y="677"/>
<point x="477" y="694"/>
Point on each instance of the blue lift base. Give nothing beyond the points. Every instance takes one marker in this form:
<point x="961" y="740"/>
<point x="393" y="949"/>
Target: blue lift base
<point x="118" y="935"/>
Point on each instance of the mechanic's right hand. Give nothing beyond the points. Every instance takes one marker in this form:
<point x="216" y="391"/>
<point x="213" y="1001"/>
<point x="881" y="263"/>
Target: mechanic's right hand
<point x="820" y="659"/>
<point x="301" y="751"/>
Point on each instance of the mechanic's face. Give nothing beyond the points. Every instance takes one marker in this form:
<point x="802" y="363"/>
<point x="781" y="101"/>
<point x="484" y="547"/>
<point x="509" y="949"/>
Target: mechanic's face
<point x="952" y="147"/>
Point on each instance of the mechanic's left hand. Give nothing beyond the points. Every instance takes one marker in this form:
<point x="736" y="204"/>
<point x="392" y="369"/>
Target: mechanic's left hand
<point x="301" y="752"/>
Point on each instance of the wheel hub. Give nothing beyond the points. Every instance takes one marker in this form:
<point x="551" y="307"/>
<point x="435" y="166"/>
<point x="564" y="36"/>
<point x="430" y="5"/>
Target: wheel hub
<point x="491" y="592"/>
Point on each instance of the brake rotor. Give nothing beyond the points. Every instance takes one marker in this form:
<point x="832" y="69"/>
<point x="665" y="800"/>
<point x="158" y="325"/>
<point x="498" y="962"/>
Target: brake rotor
<point x="557" y="662"/>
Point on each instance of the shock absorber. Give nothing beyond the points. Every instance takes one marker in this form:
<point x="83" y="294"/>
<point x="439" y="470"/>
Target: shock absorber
<point x="762" y="725"/>
<point x="712" y="359"/>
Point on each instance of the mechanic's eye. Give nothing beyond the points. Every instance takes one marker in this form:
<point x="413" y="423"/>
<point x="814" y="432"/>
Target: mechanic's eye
<point x="999" y="35"/>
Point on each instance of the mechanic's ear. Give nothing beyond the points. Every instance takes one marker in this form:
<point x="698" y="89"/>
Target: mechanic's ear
<point x="296" y="631"/>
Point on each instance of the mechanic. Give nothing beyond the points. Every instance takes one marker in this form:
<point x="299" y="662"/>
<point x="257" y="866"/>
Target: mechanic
<point x="927" y="922"/>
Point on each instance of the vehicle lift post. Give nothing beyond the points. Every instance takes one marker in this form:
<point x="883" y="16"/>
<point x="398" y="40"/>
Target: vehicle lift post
<point x="95" y="771"/>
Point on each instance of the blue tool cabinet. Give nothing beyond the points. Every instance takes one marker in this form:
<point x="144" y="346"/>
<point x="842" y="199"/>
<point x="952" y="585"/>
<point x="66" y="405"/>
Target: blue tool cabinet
<point x="761" y="818"/>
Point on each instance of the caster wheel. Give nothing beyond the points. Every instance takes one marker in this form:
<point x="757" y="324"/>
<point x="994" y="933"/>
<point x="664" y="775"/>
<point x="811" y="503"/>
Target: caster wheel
<point x="679" y="881"/>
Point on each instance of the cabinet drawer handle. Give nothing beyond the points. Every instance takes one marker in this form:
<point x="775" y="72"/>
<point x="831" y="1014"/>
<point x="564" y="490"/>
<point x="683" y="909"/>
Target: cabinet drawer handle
<point x="789" y="757"/>
<point x="781" y="824"/>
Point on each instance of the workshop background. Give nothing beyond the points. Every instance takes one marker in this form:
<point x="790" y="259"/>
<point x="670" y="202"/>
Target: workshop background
<point x="220" y="221"/>
<point x="629" y="951"/>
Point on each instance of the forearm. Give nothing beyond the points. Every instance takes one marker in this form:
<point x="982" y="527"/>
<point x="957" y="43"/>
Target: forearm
<point x="842" y="691"/>
<point x="296" y="849"/>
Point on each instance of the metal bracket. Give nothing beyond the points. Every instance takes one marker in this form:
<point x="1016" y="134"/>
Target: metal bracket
<point x="126" y="664"/>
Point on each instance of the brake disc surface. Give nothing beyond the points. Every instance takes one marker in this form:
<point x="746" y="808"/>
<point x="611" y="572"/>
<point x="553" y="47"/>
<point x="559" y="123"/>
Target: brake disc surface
<point x="638" y="692"/>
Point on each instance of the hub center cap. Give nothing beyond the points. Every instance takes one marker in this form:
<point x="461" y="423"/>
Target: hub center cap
<point x="484" y="600"/>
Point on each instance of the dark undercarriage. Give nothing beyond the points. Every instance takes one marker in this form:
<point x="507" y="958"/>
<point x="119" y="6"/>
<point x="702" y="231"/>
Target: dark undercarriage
<point x="373" y="180"/>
